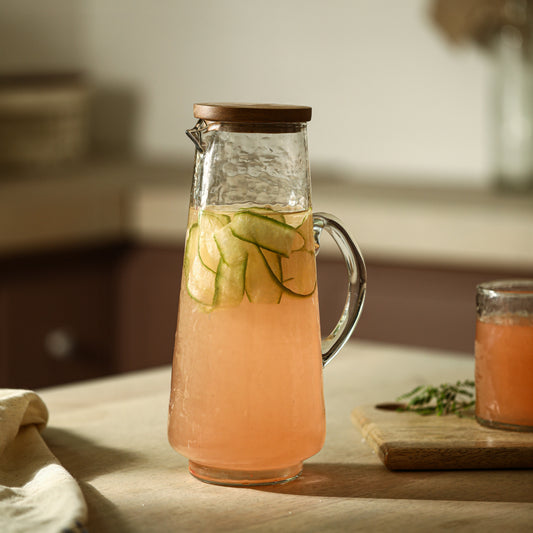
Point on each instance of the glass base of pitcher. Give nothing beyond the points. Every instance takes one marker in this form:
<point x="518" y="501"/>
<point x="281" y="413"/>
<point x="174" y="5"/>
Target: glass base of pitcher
<point x="244" y="478"/>
<point x="502" y="425"/>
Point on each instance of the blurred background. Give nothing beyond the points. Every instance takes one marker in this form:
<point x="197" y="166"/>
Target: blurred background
<point x="390" y="96"/>
<point x="421" y="141"/>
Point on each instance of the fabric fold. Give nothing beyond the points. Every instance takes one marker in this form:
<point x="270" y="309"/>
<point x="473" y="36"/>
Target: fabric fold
<point x="36" y="492"/>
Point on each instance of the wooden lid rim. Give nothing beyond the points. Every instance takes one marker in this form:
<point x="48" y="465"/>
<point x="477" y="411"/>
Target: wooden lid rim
<point x="259" y="113"/>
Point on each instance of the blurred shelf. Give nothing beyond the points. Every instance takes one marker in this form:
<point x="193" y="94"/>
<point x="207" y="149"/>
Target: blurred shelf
<point x="142" y="202"/>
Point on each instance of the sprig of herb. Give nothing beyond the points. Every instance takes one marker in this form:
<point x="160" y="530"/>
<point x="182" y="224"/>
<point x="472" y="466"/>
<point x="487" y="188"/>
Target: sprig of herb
<point x="442" y="400"/>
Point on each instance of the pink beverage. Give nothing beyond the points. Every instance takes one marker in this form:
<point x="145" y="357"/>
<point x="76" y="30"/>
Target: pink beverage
<point x="504" y="370"/>
<point x="246" y="400"/>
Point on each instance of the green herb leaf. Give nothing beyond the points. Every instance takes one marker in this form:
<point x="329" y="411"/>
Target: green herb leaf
<point x="445" y="399"/>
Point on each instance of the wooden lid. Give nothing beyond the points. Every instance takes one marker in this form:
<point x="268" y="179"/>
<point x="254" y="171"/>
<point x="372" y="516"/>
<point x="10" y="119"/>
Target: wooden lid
<point x="259" y="113"/>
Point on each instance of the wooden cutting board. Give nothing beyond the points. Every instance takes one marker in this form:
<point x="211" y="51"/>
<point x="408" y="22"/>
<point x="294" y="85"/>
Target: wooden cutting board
<point x="408" y="441"/>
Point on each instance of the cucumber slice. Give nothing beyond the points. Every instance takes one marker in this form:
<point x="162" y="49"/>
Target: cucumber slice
<point x="256" y="253"/>
<point x="262" y="285"/>
<point x="297" y="221"/>
<point x="191" y="248"/>
<point x="208" y="224"/>
<point x="274" y="263"/>
<point x="264" y="232"/>
<point x="305" y="238"/>
<point x="229" y="284"/>
<point x="299" y="273"/>
<point x="284" y="286"/>
<point x="232" y="250"/>
<point x="299" y="242"/>
<point x="266" y="211"/>
<point x="201" y="283"/>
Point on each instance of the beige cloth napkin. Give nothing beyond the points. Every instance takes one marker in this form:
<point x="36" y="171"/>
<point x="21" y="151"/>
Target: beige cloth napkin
<point x="36" y="493"/>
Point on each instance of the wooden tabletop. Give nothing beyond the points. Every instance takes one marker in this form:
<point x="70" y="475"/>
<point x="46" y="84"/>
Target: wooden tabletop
<point x="111" y="435"/>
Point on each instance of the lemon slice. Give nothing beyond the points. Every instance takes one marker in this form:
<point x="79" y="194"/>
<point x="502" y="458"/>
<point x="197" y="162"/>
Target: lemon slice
<point x="208" y="251"/>
<point x="263" y="231"/>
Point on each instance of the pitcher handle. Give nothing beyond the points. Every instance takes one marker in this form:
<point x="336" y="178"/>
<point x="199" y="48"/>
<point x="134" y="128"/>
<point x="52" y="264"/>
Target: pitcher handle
<point x="355" y="266"/>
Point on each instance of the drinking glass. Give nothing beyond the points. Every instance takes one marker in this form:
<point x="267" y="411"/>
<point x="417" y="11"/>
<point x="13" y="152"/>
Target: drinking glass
<point x="504" y="354"/>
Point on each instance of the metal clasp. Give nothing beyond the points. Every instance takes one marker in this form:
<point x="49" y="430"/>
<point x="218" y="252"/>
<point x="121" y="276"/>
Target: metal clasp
<point x="195" y="134"/>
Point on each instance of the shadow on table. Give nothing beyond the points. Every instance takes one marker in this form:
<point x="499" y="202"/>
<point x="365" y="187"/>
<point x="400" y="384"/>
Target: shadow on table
<point x="345" y="480"/>
<point x="85" y="460"/>
<point x="102" y="511"/>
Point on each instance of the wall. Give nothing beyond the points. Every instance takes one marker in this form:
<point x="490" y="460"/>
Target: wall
<point x="390" y="97"/>
<point x="40" y="36"/>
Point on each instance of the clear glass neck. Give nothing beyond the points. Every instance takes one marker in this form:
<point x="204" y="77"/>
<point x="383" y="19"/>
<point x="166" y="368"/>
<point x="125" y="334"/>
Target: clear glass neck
<point x="251" y="164"/>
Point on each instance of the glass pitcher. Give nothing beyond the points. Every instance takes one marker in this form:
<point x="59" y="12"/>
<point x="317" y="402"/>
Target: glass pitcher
<point x="246" y="403"/>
